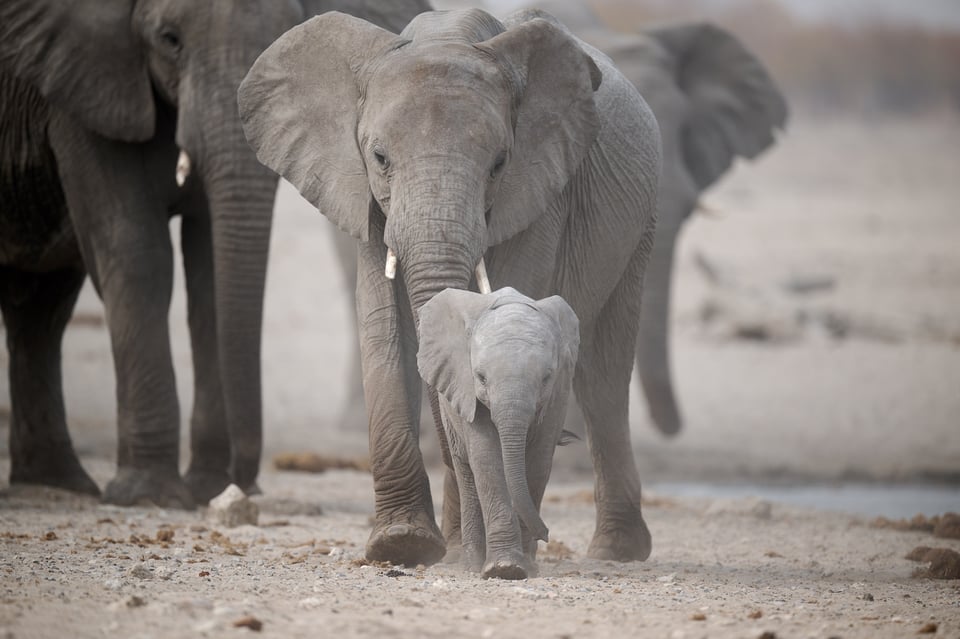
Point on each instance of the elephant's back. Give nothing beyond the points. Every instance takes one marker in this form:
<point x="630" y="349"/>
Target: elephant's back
<point x="35" y="231"/>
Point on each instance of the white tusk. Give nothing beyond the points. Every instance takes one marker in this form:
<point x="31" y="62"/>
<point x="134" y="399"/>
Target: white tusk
<point x="391" y="268"/>
<point x="483" y="282"/>
<point x="183" y="167"/>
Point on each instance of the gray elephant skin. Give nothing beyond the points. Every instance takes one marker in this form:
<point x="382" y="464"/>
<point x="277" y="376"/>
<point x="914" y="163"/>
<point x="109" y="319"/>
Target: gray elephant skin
<point x="714" y="101"/>
<point x="502" y="365"/>
<point x="97" y="99"/>
<point x="468" y="138"/>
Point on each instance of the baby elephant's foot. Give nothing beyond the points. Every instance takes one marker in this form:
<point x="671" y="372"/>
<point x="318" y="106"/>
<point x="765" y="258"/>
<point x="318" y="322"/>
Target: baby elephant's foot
<point x="409" y="542"/>
<point x="506" y="567"/>
<point x="205" y="484"/>
<point x="59" y="469"/>
<point x="145" y="487"/>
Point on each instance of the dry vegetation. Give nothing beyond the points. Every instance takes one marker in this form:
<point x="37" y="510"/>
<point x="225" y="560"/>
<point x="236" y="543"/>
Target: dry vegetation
<point x="871" y="68"/>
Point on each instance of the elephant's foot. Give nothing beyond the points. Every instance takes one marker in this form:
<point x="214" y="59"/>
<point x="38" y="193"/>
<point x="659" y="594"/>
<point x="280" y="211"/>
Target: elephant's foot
<point x="415" y="540"/>
<point x="508" y="567"/>
<point x="148" y="486"/>
<point x="621" y="538"/>
<point x="58" y="470"/>
<point x="205" y="484"/>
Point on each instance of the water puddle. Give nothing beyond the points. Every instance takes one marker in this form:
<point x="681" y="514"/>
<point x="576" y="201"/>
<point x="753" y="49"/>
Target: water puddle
<point x="871" y="500"/>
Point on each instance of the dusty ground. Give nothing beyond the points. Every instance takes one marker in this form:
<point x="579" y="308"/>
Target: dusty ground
<point x="867" y="206"/>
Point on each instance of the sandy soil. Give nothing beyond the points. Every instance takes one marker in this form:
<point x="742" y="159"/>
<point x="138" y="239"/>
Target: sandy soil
<point x="871" y="206"/>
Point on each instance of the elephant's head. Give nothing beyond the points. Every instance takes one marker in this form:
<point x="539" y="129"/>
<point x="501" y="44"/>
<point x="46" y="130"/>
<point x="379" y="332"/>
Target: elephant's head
<point x="459" y="132"/>
<point x="508" y="356"/>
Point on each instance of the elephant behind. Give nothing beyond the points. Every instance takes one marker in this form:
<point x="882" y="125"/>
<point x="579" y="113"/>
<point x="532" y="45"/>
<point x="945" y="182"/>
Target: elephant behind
<point x="714" y="102"/>
<point x="102" y="103"/>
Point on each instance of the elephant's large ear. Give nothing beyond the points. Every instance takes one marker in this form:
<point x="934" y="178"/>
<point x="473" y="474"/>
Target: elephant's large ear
<point x="83" y="57"/>
<point x="735" y="106"/>
<point x="446" y="324"/>
<point x="556" y="121"/>
<point x="298" y="105"/>
<point x="557" y="308"/>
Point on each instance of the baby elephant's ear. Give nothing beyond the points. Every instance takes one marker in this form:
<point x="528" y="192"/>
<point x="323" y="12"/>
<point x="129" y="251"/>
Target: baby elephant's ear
<point x="446" y="322"/>
<point x="557" y="308"/>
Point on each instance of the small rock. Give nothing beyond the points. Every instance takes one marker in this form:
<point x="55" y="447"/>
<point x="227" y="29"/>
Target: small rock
<point x="135" y="602"/>
<point x="233" y="508"/>
<point x="250" y="622"/>
<point x="698" y="616"/>
<point x="113" y="584"/>
<point x="140" y="571"/>
<point x="867" y="596"/>
<point x="310" y="603"/>
<point x="928" y="629"/>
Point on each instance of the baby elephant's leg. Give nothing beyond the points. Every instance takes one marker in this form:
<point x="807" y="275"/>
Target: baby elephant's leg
<point x="471" y="518"/>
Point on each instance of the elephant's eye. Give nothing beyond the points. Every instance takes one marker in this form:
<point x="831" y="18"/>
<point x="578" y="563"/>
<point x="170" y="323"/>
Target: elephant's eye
<point x="498" y="164"/>
<point x="381" y="157"/>
<point x="482" y="379"/>
<point x="170" y="39"/>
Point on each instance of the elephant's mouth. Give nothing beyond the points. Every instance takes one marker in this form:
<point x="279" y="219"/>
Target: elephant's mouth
<point x="483" y="282"/>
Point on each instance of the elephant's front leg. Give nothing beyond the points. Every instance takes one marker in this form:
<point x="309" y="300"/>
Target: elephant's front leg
<point x="125" y="240"/>
<point x="405" y="530"/>
<point x="505" y="557"/>
<point x="472" y="534"/>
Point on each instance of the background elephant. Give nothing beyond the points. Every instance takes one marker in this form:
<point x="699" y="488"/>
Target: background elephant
<point x="714" y="101"/>
<point x="467" y="138"/>
<point x="97" y="99"/>
<point x="502" y="365"/>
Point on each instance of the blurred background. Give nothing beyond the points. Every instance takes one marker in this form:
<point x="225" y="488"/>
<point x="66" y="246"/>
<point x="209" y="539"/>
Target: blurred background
<point x="816" y="314"/>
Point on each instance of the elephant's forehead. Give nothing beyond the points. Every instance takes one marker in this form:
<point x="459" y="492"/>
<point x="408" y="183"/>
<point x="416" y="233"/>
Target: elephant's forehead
<point x="514" y="321"/>
<point x="446" y="66"/>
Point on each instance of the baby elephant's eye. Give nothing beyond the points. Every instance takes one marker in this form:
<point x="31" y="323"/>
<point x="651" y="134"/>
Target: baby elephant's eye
<point x="498" y="164"/>
<point x="482" y="379"/>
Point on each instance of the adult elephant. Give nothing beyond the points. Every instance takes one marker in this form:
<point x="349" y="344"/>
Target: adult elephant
<point x="468" y="138"/>
<point x="714" y="101"/>
<point x="98" y="100"/>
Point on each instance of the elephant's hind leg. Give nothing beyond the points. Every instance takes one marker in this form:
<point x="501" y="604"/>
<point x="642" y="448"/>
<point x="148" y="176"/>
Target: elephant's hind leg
<point x="602" y="386"/>
<point x="36" y="308"/>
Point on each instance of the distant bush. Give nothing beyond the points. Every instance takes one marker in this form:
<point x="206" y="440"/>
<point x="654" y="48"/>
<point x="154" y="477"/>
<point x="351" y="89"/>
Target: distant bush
<point x="867" y="68"/>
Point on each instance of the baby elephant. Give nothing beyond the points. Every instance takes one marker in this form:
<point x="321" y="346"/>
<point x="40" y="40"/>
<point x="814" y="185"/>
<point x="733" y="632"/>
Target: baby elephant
<point x="502" y="365"/>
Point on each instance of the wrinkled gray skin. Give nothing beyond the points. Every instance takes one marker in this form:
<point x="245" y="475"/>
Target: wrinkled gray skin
<point x="96" y="98"/>
<point x="502" y="365"/>
<point x="468" y="138"/>
<point x="713" y="101"/>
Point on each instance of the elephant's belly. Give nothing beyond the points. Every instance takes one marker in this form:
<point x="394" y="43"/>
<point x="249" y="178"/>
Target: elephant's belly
<point x="35" y="229"/>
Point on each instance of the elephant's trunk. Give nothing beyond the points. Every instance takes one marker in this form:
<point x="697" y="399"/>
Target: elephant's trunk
<point x="240" y="195"/>
<point x="513" y="427"/>
<point x="653" y="361"/>
<point x="435" y="228"/>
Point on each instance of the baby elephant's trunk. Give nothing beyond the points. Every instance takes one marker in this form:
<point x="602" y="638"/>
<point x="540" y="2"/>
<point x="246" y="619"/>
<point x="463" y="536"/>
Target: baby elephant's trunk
<point x="513" y="444"/>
